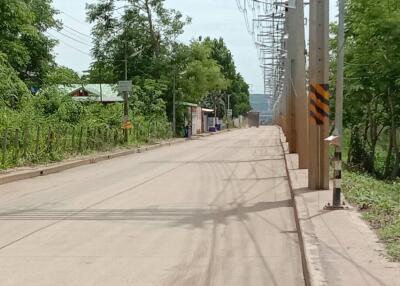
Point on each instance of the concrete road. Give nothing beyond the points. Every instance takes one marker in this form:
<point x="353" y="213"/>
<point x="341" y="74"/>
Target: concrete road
<point x="213" y="211"/>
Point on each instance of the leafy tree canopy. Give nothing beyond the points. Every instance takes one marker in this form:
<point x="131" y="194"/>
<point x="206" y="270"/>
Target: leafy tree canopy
<point x="120" y="31"/>
<point x="22" y="37"/>
<point x="372" y="84"/>
<point x="61" y="75"/>
<point x="12" y="89"/>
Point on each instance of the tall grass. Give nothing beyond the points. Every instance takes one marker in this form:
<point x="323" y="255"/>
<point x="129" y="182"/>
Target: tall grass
<point x="51" y="127"/>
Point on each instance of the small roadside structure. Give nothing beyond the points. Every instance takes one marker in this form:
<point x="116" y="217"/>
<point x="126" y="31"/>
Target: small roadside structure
<point x="103" y="93"/>
<point x="207" y="115"/>
<point x="197" y="117"/>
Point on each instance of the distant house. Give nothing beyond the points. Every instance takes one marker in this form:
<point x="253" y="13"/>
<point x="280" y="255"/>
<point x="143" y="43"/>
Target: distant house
<point x="104" y="93"/>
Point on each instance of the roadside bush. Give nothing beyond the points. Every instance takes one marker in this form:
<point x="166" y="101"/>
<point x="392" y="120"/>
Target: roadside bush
<point x="51" y="126"/>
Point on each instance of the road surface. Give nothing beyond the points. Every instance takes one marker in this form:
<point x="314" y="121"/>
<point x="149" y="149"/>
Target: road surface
<point x="213" y="211"/>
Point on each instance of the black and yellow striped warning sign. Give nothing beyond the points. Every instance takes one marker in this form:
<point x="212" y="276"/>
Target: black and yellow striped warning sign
<point x="319" y="103"/>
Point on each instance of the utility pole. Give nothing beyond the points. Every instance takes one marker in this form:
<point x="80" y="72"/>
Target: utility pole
<point x="174" y="104"/>
<point x="297" y="82"/>
<point x="126" y="107"/>
<point x="288" y="88"/>
<point x="229" y="111"/>
<point x="215" y="110"/>
<point x="336" y="202"/>
<point x="318" y="171"/>
<point x="175" y="77"/>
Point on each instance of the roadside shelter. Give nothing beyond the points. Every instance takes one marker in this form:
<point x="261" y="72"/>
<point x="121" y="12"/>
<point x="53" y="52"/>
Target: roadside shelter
<point x="197" y="117"/>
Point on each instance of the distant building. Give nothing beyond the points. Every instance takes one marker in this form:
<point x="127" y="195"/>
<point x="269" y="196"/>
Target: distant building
<point x="104" y="93"/>
<point x="262" y="103"/>
<point x="201" y="119"/>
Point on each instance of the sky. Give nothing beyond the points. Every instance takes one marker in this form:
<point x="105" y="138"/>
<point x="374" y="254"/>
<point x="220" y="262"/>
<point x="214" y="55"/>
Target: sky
<point x="214" y="18"/>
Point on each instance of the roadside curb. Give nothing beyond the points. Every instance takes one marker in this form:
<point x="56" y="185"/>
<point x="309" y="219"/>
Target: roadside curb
<point x="337" y="247"/>
<point x="304" y="261"/>
<point x="310" y="243"/>
<point x="59" y="167"/>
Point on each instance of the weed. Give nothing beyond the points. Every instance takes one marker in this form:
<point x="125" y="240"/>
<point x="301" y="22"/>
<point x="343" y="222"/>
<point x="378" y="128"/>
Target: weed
<point x="380" y="201"/>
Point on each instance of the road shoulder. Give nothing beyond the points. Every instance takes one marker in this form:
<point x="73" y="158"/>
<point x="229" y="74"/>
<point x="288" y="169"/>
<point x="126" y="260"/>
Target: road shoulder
<point x="339" y="247"/>
<point x="23" y="173"/>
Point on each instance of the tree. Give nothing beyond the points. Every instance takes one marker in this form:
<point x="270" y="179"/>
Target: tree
<point x="121" y="31"/>
<point x="12" y="89"/>
<point x="203" y="74"/>
<point x="147" y="99"/>
<point x="238" y="89"/>
<point x="22" y="38"/>
<point x="61" y="75"/>
<point x="372" y="101"/>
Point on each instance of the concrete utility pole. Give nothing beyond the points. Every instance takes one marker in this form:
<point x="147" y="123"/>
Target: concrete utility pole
<point x="176" y="74"/>
<point x="126" y="106"/>
<point x="288" y="89"/>
<point x="174" y="105"/>
<point x="229" y="111"/>
<point x="336" y="202"/>
<point x="318" y="171"/>
<point x="297" y="82"/>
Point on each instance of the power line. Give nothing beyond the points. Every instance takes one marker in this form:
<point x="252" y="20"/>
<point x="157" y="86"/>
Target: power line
<point x="73" y="39"/>
<point x="76" y="31"/>
<point x="77" y="37"/>
<point x="69" y="45"/>
<point x="73" y="18"/>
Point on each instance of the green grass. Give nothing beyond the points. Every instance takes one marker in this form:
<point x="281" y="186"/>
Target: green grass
<point x="380" y="202"/>
<point x="33" y="146"/>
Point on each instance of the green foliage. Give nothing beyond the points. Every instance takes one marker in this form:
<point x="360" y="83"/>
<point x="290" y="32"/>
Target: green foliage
<point x="22" y="38"/>
<point x="51" y="126"/>
<point x="196" y="71"/>
<point x="147" y="99"/>
<point x="203" y="74"/>
<point x="240" y="99"/>
<point x="238" y="88"/>
<point x="61" y="75"/>
<point x="144" y="25"/>
<point x="12" y="89"/>
<point x="371" y="99"/>
<point x="381" y="202"/>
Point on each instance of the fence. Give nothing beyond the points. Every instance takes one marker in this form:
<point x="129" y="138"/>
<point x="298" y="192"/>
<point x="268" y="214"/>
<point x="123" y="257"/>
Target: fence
<point x="41" y="144"/>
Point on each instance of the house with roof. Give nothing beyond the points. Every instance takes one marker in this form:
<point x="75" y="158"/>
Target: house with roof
<point x="104" y="93"/>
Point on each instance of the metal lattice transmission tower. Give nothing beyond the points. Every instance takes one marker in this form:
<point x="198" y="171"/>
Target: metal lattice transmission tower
<point x="266" y="22"/>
